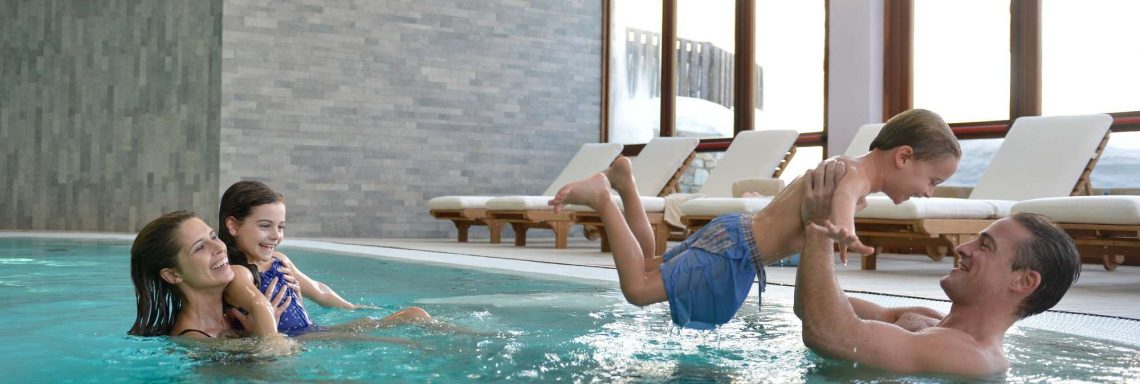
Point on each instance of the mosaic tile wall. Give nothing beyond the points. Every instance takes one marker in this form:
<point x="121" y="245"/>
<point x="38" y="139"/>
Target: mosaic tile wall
<point x="108" y="112"/>
<point x="360" y="111"/>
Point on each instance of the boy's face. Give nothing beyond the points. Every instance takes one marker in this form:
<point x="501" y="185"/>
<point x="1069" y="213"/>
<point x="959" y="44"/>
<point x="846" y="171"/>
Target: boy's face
<point x="917" y="178"/>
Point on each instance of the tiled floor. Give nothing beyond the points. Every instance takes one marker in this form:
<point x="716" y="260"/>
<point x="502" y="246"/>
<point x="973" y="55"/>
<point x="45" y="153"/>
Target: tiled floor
<point x="1099" y="292"/>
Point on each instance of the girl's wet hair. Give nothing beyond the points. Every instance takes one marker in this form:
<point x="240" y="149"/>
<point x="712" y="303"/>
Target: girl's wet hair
<point x="238" y="202"/>
<point x="922" y="130"/>
<point x="156" y="248"/>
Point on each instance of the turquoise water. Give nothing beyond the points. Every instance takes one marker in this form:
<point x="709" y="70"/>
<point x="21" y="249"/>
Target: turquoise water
<point x="65" y="307"/>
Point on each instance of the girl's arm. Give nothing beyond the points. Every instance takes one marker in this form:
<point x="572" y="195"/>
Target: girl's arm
<point x="315" y="290"/>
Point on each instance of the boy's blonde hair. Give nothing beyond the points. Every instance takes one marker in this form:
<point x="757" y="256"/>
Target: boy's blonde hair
<point x="922" y="130"/>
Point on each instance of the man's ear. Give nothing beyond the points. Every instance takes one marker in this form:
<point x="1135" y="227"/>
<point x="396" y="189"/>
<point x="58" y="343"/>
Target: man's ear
<point x="903" y="154"/>
<point x="1026" y="281"/>
<point x="231" y="225"/>
<point x="170" y="275"/>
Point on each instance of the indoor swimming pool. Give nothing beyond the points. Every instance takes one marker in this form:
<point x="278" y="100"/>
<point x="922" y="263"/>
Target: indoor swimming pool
<point x="66" y="306"/>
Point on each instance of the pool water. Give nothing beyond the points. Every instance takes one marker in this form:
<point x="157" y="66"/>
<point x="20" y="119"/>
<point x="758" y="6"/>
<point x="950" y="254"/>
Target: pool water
<point x="65" y="307"/>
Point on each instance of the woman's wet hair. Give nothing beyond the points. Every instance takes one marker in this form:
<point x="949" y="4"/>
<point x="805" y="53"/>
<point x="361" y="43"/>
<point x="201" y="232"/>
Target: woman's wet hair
<point x="156" y="248"/>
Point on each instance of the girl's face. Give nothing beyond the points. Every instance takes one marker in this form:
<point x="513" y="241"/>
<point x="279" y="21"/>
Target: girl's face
<point x="917" y="178"/>
<point x="259" y="233"/>
<point x="202" y="260"/>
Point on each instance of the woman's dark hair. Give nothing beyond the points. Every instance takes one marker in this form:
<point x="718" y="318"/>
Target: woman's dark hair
<point x="922" y="130"/>
<point x="155" y="248"/>
<point x="238" y="202"/>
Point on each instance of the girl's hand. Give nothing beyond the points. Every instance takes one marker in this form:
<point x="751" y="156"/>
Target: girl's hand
<point x="287" y="269"/>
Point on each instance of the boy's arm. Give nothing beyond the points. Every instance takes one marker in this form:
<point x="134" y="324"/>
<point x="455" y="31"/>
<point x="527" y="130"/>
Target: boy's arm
<point x="850" y="190"/>
<point x="241" y="292"/>
<point x="315" y="290"/>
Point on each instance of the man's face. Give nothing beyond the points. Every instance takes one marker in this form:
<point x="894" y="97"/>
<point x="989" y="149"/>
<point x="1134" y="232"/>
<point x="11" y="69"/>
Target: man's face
<point x="986" y="266"/>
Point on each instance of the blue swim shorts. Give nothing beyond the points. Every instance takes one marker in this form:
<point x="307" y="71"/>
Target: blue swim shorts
<point x="707" y="277"/>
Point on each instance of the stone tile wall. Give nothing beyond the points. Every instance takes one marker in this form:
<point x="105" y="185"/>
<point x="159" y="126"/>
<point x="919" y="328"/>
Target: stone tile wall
<point x="108" y="112"/>
<point x="360" y="111"/>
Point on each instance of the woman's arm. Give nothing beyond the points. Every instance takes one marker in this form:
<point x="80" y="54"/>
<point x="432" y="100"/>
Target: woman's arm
<point x="242" y="293"/>
<point x="315" y="290"/>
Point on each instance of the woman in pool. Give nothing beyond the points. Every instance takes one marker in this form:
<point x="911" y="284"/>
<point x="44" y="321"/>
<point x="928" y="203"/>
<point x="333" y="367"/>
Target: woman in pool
<point x="179" y="269"/>
<point x="253" y="224"/>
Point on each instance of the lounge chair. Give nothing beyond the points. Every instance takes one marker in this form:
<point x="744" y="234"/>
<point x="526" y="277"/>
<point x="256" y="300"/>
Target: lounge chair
<point x="698" y="212"/>
<point x="657" y="168"/>
<point x="1104" y="227"/>
<point x="752" y="154"/>
<point x="465" y="211"/>
<point x="1042" y="156"/>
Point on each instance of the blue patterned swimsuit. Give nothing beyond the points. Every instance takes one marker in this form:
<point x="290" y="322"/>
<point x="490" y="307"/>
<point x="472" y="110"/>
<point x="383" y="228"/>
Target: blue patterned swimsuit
<point x="294" y="321"/>
<point x="707" y="277"/>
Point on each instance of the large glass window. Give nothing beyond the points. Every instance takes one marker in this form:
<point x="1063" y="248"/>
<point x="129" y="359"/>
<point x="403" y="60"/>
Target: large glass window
<point x="635" y="71"/>
<point x="705" y="42"/>
<point x="961" y="59"/>
<point x="1117" y="167"/>
<point x="789" y="65"/>
<point x="1089" y="59"/>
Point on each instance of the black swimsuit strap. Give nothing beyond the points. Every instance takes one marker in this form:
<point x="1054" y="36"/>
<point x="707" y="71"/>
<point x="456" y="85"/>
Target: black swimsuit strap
<point x="194" y="330"/>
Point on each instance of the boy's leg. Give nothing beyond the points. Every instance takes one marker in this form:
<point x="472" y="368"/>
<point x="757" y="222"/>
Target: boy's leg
<point x="621" y="179"/>
<point x="639" y="286"/>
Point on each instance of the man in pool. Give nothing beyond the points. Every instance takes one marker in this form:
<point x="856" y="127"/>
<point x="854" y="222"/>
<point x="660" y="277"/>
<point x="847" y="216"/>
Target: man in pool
<point x="1019" y="266"/>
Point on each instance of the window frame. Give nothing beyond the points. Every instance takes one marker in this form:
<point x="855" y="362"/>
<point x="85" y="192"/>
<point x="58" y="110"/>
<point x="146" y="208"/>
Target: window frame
<point x="1025" y="70"/>
<point x="744" y="94"/>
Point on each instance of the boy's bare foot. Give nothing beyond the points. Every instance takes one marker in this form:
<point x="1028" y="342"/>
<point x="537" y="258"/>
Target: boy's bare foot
<point x="620" y="174"/>
<point x="591" y="191"/>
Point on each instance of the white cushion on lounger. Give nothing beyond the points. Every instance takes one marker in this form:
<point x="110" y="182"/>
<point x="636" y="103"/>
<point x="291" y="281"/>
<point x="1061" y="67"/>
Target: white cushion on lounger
<point x="1042" y="156"/>
<point x="881" y="207"/>
<point x="655" y="165"/>
<point x="862" y="141"/>
<point x="1119" y="210"/>
<point x="591" y="159"/>
<point x="458" y="202"/>
<point x="651" y="204"/>
<point x="519" y="203"/>
<point x="752" y="154"/>
<point x="716" y="206"/>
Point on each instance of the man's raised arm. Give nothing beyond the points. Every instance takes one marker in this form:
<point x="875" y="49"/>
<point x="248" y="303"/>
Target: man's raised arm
<point x="830" y="324"/>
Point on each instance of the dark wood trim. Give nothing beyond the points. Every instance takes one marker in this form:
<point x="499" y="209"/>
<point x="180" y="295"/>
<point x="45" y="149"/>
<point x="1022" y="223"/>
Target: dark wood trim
<point x="1025" y="58"/>
<point x="826" y="70"/>
<point x="898" y="68"/>
<point x="814" y="139"/>
<point x="607" y="30"/>
<point x="744" y="113"/>
<point x="668" y="67"/>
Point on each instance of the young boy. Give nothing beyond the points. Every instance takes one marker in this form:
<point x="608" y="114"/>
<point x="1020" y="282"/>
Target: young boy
<point x="706" y="278"/>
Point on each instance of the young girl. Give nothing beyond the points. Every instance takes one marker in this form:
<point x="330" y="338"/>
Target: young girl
<point x="706" y="278"/>
<point x="253" y="224"/>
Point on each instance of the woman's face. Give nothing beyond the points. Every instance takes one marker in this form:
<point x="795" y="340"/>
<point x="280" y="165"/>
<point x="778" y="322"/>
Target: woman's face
<point x="202" y="260"/>
<point x="259" y="233"/>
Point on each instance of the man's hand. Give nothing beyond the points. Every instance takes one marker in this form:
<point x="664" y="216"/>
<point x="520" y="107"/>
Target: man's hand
<point x="819" y="188"/>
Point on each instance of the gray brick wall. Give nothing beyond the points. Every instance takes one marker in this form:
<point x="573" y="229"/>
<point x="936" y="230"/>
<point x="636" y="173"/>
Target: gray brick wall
<point x="360" y="111"/>
<point x="108" y="112"/>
